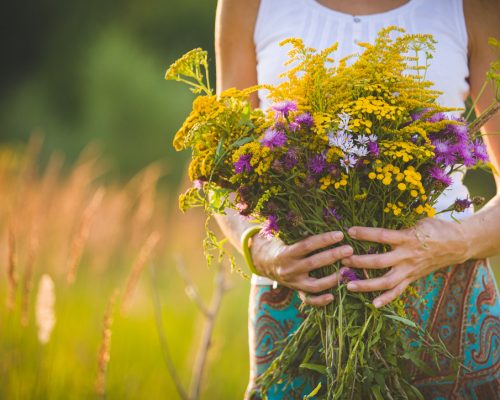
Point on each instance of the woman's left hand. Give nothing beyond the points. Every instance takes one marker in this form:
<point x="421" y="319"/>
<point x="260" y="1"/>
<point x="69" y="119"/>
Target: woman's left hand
<point x="415" y="252"/>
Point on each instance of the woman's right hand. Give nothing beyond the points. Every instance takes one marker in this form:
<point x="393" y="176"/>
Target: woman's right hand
<point x="290" y="265"/>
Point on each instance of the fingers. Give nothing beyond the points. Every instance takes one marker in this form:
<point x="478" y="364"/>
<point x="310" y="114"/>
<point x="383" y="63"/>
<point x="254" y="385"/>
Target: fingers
<point x="324" y="258"/>
<point x="387" y="281"/>
<point x="378" y="235"/>
<point x="317" y="301"/>
<point x="374" y="261"/>
<point x="390" y="295"/>
<point x="313" y="243"/>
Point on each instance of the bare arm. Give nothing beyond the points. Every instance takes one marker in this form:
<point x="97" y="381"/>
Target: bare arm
<point x="483" y="228"/>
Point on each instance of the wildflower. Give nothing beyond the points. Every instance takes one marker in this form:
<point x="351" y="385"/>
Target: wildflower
<point x="304" y="119"/>
<point x="479" y="150"/>
<point x="437" y="117"/>
<point x="459" y="131"/>
<point x="291" y="158"/>
<point x="243" y="164"/>
<point x="331" y="213"/>
<point x="293" y="218"/>
<point x="363" y="139"/>
<point x="360" y="151"/>
<point x="283" y="108"/>
<point x="373" y="148"/>
<point x="461" y="205"/>
<point x="464" y="152"/>
<point x="349" y="161"/>
<point x="348" y="275"/>
<point x="439" y="175"/>
<point x="317" y="164"/>
<point x="344" y="122"/>
<point x="45" y="301"/>
<point x="444" y="152"/>
<point x="270" y="226"/>
<point x="373" y="138"/>
<point x="273" y="138"/>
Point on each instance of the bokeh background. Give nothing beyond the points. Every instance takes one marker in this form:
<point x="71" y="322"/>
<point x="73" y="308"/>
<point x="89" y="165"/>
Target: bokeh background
<point x="89" y="225"/>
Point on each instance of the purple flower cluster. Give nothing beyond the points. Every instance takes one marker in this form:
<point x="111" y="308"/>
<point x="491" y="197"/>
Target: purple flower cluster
<point x="331" y="213"/>
<point x="273" y="138"/>
<point x="283" y="108"/>
<point x="461" y="205"/>
<point x="243" y="164"/>
<point x="270" y="226"/>
<point x="291" y="158"/>
<point x="453" y="146"/>
<point x="440" y="176"/>
<point x="348" y="275"/>
<point x="316" y="164"/>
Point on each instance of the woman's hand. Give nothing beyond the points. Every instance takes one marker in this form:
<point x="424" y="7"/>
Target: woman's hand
<point x="416" y="252"/>
<point x="290" y="265"/>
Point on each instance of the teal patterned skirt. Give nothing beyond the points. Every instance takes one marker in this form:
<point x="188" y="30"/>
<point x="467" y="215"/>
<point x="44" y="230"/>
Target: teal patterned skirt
<point x="461" y="305"/>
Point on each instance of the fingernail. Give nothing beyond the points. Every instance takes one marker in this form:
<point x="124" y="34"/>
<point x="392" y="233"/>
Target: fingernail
<point x="338" y="235"/>
<point x="377" y="303"/>
<point x="347" y="251"/>
<point x="352" y="286"/>
<point x="352" y="232"/>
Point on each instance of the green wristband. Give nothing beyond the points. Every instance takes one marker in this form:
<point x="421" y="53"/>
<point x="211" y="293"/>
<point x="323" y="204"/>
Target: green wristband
<point x="245" y="238"/>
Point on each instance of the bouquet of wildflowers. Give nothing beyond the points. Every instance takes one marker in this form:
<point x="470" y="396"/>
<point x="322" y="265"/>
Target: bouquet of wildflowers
<point x="359" y="142"/>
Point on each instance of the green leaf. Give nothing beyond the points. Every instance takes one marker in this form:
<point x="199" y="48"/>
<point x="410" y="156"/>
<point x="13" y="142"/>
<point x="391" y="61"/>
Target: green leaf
<point x="314" y="367"/>
<point x="405" y="321"/>
<point x="314" y="392"/>
<point x="376" y="392"/>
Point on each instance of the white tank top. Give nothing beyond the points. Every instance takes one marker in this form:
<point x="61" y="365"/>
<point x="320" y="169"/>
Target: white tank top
<point x="319" y="27"/>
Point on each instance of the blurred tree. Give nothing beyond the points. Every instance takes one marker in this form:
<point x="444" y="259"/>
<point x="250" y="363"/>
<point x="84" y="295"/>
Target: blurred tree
<point x="92" y="70"/>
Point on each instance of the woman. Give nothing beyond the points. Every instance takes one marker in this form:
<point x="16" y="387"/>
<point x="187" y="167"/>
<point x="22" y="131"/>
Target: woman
<point x="445" y="258"/>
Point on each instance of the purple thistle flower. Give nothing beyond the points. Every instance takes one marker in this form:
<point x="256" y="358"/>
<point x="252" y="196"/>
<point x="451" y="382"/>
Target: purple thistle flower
<point x="444" y="152"/>
<point x="348" y="275"/>
<point x="283" y="108"/>
<point x="317" y="164"/>
<point x="291" y="158"/>
<point x="439" y="175"/>
<point x="304" y="119"/>
<point x="331" y="213"/>
<point x="437" y="117"/>
<point x="459" y="131"/>
<point x="294" y="126"/>
<point x="293" y="218"/>
<point x="243" y="164"/>
<point x="273" y="138"/>
<point x="373" y="148"/>
<point x="270" y="226"/>
<point x="461" y="205"/>
<point x="464" y="152"/>
<point x="479" y="150"/>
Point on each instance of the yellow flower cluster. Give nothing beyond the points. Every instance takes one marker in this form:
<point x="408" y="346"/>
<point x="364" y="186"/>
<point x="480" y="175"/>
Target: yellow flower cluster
<point x="261" y="157"/>
<point x="329" y="180"/>
<point x="405" y="150"/>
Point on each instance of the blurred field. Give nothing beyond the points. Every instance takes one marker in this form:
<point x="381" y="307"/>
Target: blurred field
<point x="54" y="223"/>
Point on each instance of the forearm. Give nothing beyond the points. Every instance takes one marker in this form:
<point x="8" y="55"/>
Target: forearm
<point x="233" y="225"/>
<point x="482" y="230"/>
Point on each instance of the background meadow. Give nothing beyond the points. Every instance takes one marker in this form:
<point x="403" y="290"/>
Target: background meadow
<point x="88" y="188"/>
